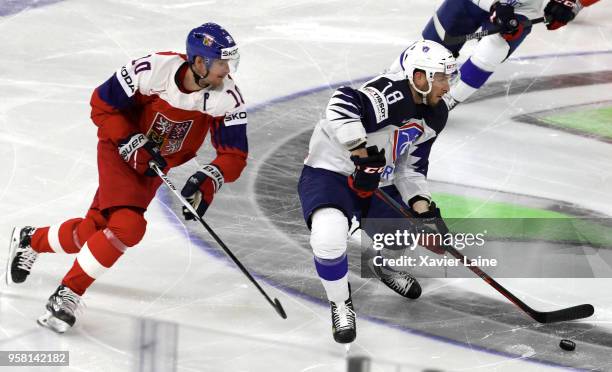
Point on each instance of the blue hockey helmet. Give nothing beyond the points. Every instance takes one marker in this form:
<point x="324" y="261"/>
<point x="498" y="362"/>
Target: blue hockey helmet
<point x="211" y="41"/>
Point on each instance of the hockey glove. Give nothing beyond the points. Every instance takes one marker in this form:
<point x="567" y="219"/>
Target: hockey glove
<point x="138" y="151"/>
<point x="366" y="177"/>
<point x="432" y="220"/>
<point x="558" y="13"/>
<point x="502" y="15"/>
<point x="200" y="189"/>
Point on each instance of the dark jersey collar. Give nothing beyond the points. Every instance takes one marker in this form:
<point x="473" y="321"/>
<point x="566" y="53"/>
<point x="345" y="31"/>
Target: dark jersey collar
<point x="179" y="77"/>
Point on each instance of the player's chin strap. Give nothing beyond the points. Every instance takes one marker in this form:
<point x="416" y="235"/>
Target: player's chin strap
<point x="421" y="92"/>
<point x="197" y="77"/>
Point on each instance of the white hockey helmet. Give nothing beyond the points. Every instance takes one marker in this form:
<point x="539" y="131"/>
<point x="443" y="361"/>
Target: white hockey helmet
<point x="428" y="56"/>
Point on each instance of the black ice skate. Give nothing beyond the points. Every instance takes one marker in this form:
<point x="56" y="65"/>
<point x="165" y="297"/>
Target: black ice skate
<point x="61" y="309"/>
<point x="343" y="321"/>
<point x="21" y="255"/>
<point x="403" y="284"/>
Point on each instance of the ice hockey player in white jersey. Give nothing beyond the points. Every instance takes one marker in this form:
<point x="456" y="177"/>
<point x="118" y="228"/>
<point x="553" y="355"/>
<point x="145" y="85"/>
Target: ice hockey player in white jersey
<point x="378" y="135"/>
<point x="462" y="17"/>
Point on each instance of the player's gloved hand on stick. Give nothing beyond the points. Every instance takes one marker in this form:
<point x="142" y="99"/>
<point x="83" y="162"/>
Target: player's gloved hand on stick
<point x="558" y="13"/>
<point x="432" y="220"/>
<point x="138" y="151"/>
<point x="200" y="189"/>
<point x="366" y="177"/>
<point x="502" y="15"/>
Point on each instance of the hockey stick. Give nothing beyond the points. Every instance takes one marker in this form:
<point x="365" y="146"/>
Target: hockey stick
<point x="570" y="313"/>
<point x="452" y="40"/>
<point x="276" y="303"/>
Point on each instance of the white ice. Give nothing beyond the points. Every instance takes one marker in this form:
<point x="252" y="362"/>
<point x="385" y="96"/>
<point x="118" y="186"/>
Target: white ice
<point x="53" y="57"/>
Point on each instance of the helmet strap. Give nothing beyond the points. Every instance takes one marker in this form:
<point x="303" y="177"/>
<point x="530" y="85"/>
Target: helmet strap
<point x="197" y="77"/>
<point x="421" y="92"/>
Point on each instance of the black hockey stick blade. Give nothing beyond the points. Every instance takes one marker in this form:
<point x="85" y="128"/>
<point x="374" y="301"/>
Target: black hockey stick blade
<point x="279" y="309"/>
<point x="452" y="40"/>
<point x="564" y="315"/>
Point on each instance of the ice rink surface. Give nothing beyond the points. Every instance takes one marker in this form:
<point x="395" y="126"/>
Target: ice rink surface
<point x="175" y="303"/>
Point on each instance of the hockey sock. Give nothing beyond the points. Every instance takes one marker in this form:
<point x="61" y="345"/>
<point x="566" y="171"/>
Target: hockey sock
<point x="334" y="277"/>
<point x="69" y="236"/>
<point x="60" y="238"/>
<point x="96" y="256"/>
<point x="125" y="228"/>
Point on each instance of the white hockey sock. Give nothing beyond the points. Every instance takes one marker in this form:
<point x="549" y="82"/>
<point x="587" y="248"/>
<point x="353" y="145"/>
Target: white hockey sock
<point x="337" y="290"/>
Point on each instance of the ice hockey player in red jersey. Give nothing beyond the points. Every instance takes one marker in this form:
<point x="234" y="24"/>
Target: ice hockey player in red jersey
<point x="156" y="108"/>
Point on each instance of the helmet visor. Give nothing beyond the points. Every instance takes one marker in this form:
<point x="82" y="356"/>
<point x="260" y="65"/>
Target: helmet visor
<point x="454" y="77"/>
<point x="232" y="57"/>
<point x="451" y="71"/>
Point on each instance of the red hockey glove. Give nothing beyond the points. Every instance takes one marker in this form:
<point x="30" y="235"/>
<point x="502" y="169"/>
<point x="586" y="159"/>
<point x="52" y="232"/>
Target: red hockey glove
<point x="366" y="177"/>
<point x="200" y="189"/>
<point x="558" y="13"/>
<point x="138" y="151"/>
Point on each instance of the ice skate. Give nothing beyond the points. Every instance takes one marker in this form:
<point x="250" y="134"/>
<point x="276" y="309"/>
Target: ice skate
<point x="61" y="309"/>
<point x="21" y="255"/>
<point x="344" y="324"/>
<point x="403" y="284"/>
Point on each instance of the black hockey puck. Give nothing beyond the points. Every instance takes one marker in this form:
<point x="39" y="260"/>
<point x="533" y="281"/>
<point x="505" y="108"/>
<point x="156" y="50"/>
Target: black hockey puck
<point x="567" y="345"/>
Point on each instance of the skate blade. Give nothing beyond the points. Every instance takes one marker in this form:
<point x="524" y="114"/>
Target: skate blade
<point x="53" y="323"/>
<point x="12" y="250"/>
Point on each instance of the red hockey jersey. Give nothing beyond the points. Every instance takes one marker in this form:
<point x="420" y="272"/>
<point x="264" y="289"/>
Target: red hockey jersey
<point x="146" y="96"/>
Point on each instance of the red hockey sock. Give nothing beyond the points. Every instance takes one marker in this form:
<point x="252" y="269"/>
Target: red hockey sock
<point x="59" y="238"/>
<point x="126" y="227"/>
<point x="39" y="240"/>
<point x="69" y="236"/>
<point x="97" y="255"/>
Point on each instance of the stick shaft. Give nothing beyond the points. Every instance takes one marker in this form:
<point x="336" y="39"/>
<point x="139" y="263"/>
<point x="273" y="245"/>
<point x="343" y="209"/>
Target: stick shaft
<point x="452" y="40"/>
<point x="186" y="204"/>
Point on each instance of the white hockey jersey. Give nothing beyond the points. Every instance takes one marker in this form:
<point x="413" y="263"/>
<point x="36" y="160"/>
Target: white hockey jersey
<point x="382" y="111"/>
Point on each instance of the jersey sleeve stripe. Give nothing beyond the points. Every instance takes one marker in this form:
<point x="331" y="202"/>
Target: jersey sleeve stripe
<point x="113" y="94"/>
<point x="342" y="114"/>
<point x="347" y="108"/>
<point x="230" y="137"/>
